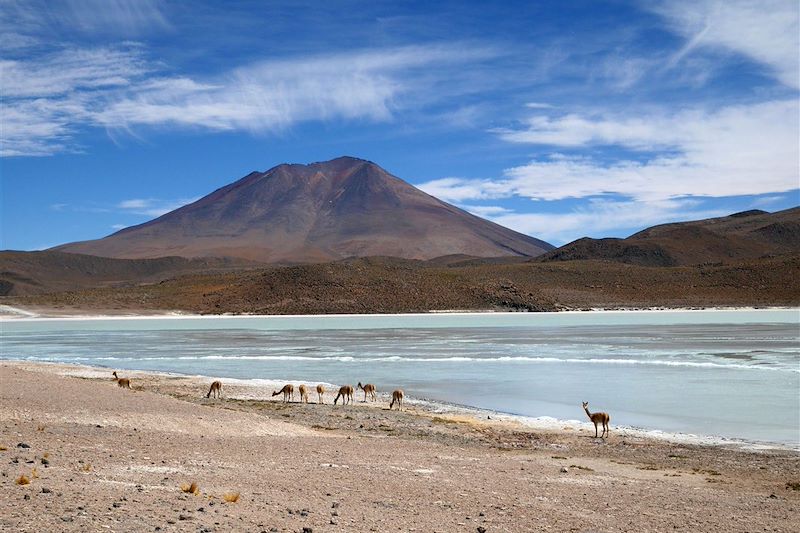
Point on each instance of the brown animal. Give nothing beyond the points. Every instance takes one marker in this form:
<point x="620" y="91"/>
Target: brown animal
<point x="346" y="393"/>
<point x="369" y="388"/>
<point x="216" y="390"/>
<point x="598" y="418"/>
<point x="125" y="383"/>
<point x="287" y="391"/>
<point x="397" y="396"/>
<point x="303" y="393"/>
<point x="320" y="392"/>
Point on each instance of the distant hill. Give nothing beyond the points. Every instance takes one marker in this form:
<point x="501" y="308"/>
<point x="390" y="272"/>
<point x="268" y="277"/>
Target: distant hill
<point x="326" y="211"/>
<point x="50" y="271"/>
<point x="741" y="236"/>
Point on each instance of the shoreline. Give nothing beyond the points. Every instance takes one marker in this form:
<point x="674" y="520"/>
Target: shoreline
<point x="17" y="314"/>
<point x="429" y="406"/>
<point x="96" y="456"/>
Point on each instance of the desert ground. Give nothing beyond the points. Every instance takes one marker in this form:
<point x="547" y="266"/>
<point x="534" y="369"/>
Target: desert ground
<point x="98" y="457"/>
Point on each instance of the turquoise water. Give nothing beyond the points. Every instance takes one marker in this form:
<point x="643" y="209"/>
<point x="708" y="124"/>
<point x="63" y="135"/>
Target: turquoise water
<point x="733" y="374"/>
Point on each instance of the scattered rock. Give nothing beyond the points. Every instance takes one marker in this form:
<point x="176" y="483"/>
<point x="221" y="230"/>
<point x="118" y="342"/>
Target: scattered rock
<point x="308" y="530"/>
<point x="334" y="505"/>
<point x="304" y="512"/>
<point x="45" y="490"/>
<point x="481" y="529"/>
<point x="23" y="445"/>
<point x="45" y="461"/>
<point x="26" y="497"/>
<point x="564" y="470"/>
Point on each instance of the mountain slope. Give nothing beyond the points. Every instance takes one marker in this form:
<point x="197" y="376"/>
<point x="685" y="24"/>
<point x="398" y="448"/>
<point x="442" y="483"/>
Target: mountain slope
<point x="313" y="213"/>
<point x="50" y="271"/>
<point x="741" y="236"/>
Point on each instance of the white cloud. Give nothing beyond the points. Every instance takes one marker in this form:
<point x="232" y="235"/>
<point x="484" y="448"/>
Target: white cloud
<point x="766" y="31"/>
<point x="28" y="23"/>
<point x="126" y="17"/>
<point x="152" y="207"/>
<point x="48" y="98"/>
<point x="737" y="150"/>
<point x="598" y="217"/>
<point x="487" y="210"/>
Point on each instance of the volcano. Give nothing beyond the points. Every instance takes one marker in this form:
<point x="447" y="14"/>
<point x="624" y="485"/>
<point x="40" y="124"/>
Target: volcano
<point x="293" y="213"/>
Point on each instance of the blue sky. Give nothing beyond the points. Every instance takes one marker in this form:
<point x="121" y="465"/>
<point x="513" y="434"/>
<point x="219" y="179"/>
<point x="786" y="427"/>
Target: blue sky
<point x="557" y="119"/>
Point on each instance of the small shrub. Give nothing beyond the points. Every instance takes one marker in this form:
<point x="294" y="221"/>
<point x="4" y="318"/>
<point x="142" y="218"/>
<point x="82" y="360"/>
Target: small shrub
<point x="793" y="485"/>
<point x="231" y="497"/>
<point x="190" y="488"/>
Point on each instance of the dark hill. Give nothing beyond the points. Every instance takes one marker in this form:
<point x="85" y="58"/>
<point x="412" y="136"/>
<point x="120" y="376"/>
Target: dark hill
<point x="741" y="236"/>
<point x="326" y="211"/>
<point x="49" y="271"/>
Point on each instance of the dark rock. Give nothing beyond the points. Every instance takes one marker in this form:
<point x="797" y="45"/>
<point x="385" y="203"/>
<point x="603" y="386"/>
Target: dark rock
<point x="45" y="490"/>
<point x="23" y="445"/>
<point x="481" y="529"/>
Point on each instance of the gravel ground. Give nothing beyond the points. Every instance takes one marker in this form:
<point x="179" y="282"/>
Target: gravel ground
<point x="102" y="458"/>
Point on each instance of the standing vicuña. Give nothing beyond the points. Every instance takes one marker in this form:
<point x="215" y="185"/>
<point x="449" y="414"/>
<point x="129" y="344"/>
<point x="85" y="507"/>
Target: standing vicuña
<point x="303" y="393"/>
<point x="216" y="390"/>
<point x="369" y="388"/>
<point x="287" y="391"/>
<point x="125" y="383"/>
<point x="320" y="392"/>
<point x="346" y="393"/>
<point x="397" y="396"/>
<point x="598" y="418"/>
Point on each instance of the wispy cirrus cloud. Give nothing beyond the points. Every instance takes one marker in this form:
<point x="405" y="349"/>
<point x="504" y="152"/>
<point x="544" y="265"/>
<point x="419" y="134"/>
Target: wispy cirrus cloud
<point x="152" y="207"/>
<point x="49" y="98"/>
<point x="765" y="31"/>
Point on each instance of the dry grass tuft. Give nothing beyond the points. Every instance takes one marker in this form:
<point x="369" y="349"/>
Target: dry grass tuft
<point x="23" y="480"/>
<point x="34" y="474"/>
<point x="87" y="467"/>
<point x="40" y="427"/>
<point x="190" y="488"/>
<point x="231" y="497"/>
<point x="3" y="448"/>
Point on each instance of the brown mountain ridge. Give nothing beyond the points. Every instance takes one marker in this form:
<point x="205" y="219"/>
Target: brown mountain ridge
<point x="741" y="236"/>
<point x="327" y="211"/>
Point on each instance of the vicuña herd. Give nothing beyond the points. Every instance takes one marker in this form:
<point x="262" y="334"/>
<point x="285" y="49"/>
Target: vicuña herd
<point x="346" y="394"/>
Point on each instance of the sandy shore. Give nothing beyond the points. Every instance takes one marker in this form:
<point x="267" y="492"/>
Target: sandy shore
<point x="108" y="459"/>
